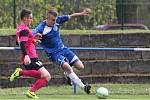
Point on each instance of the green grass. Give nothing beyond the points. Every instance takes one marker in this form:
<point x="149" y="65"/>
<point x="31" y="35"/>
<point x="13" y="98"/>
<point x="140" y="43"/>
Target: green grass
<point x="83" y="32"/>
<point x="6" y="32"/>
<point x="78" y="97"/>
<point x="116" y="91"/>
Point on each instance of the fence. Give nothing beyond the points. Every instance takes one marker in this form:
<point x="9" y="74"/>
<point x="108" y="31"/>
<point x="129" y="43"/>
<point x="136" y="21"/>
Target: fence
<point x="86" y="48"/>
<point x="104" y="12"/>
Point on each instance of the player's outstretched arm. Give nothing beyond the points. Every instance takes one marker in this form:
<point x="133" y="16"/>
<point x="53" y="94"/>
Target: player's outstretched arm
<point x="85" y="12"/>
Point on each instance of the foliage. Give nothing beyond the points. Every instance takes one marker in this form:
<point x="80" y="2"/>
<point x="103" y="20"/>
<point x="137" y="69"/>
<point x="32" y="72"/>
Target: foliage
<point x="133" y="11"/>
<point x="103" y="12"/>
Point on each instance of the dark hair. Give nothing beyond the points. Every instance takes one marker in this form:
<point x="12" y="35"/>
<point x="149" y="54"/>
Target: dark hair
<point x="52" y="12"/>
<point x="25" y="13"/>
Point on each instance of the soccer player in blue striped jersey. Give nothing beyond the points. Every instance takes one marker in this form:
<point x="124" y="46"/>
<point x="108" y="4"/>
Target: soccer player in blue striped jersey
<point x="48" y="32"/>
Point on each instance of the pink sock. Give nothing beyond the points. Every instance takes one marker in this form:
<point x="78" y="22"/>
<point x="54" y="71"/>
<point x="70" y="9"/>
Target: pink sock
<point x="30" y="73"/>
<point x="39" y="84"/>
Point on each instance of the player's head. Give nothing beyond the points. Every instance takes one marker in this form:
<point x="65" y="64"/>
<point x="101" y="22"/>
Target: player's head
<point x="51" y="17"/>
<point x="26" y="16"/>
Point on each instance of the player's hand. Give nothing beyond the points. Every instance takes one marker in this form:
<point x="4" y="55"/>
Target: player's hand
<point x="38" y="37"/>
<point x="27" y="60"/>
<point x="86" y="12"/>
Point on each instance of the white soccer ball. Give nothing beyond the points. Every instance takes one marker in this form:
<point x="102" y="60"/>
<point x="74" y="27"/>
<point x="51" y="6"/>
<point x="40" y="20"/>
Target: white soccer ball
<point x="102" y="93"/>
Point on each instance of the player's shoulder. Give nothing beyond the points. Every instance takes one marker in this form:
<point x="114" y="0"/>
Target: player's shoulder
<point x="62" y="19"/>
<point x="63" y="16"/>
<point x="42" y="24"/>
<point x="22" y="28"/>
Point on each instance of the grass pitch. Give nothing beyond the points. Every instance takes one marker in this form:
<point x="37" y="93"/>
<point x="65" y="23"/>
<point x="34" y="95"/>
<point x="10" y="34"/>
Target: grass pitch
<point x="78" y="97"/>
<point x="7" y="32"/>
<point x="116" y="91"/>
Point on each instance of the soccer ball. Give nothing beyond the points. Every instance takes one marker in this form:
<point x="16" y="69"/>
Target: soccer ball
<point x="102" y="93"/>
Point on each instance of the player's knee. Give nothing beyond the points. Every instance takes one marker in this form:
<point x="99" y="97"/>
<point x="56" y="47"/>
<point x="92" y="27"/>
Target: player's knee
<point x="67" y="68"/>
<point x="81" y="66"/>
<point x="47" y="76"/>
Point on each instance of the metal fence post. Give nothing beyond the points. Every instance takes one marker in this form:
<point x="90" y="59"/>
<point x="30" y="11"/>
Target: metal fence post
<point x="14" y="12"/>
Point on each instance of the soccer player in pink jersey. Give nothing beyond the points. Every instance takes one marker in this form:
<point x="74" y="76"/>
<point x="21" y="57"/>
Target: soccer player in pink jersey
<point x="33" y="66"/>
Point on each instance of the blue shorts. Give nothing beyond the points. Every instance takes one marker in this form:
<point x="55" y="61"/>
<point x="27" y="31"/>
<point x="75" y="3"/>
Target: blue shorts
<point x="62" y="56"/>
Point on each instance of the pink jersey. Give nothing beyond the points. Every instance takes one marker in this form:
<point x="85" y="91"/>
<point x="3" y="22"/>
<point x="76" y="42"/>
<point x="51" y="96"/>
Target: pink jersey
<point x="30" y="42"/>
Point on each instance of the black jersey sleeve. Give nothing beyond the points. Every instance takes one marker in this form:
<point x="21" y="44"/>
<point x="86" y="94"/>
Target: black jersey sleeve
<point x="23" y="33"/>
<point x="23" y="48"/>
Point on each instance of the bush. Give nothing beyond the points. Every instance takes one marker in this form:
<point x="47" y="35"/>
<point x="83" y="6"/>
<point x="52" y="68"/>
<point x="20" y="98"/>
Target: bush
<point x="103" y="12"/>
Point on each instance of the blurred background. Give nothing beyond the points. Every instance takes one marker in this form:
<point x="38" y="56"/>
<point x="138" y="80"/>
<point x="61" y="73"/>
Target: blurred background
<point x="104" y="12"/>
<point x="124" y="72"/>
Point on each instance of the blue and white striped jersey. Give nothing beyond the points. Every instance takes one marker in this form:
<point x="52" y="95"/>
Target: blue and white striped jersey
<point x="51" y="41"/>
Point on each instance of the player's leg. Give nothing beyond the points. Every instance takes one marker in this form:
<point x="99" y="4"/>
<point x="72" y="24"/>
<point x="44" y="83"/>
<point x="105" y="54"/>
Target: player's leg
<point x="36" y="70"/>
<point x="70" y="58"/>
<point x="41" y="82"/>
<point x="73" y="60"/>
<point x="15" y="74"/>
<point x="45" y="77"/>
<point x="79" y="65"/>
<point x="69" y="82"/>
<point x="60" y="59"/>
<point x="57" y="58"/>
<point x="31" y="70"/>
<point x="30" y="73"/>
<point x="68" y="69"/>
<point x="76" y="62"/>
<point x="75" y="78"/>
